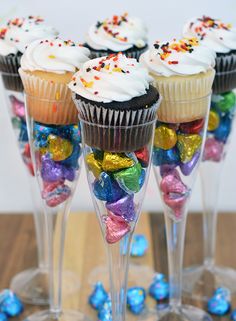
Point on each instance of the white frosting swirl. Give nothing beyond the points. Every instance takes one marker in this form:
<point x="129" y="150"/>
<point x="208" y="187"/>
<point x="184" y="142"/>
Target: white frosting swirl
<point x="117" y="34"/>
<point x="111" y="78"/>
<point x="20" y="32"/>
<point x="213" y="33"/>
<point x="54" y="55"/>
<point x="184" y="57"/>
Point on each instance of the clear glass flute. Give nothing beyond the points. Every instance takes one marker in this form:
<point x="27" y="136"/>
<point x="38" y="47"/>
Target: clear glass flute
<point x="56" y="151"/>
<point x="117" y="161"/>
<point x="176" y="157"/>
<point x="201" y="281"/>
<point x="30" y="285"/>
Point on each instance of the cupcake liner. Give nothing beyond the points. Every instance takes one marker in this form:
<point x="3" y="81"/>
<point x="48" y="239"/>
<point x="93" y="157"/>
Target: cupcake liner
<point x="184" y="98"/>
<point x="136" y="53"/>
<point x="48" y="102"/>
<point x="114" y="130"/>
<point x="225" y="79"/>
<point x="9" y="66"/>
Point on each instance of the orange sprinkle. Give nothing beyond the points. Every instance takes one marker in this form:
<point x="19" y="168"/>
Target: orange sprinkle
<point x="96" y="77"/>
<point x="54" y="107"/>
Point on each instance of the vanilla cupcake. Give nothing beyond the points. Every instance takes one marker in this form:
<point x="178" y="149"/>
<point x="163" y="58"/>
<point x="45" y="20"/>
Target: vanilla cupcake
<point x="115" y="91"/>
<point x="47" y="67"/>
<point x="221" y="38"/>
<point x="117" y="34"/>
<point x="182" y="71"/>
<point x="14" y="38"/>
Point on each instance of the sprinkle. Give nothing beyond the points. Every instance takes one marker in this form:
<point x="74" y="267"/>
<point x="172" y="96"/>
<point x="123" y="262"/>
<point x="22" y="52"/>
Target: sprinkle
<point x="54" y="107"/>
<point x="96" y="92"/>
<point x="117" y="69"/>
<point x="51" y="56"/>
<point x="96" y="78"/>
<point x="57" y="95"/>
<point x="88" y="69"/>
<point x="86" y="83"/>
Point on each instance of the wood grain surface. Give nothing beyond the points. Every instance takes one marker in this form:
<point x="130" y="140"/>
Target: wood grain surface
<point x="84" y="251"/>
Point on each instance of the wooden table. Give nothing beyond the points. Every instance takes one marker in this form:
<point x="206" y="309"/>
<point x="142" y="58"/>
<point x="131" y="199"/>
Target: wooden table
<point x="84" y="249"/>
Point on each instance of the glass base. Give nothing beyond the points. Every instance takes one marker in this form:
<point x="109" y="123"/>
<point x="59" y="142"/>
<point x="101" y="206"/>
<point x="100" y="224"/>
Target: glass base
<point x="199" y="282"/>
<point x="182" y="313"/>
<point x="101" y="273"/>
<point x="67" y="315"/>
<point x="32" y="285"/>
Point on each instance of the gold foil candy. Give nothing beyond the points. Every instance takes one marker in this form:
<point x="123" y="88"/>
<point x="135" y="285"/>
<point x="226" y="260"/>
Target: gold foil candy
<point x="214" y="121"/>
<point x="165" y="137"/>
<point x="95" y="166"/>
<point x="188" y="145"/>
<point x="113" y="162"/>
<point x="59" y="148"/>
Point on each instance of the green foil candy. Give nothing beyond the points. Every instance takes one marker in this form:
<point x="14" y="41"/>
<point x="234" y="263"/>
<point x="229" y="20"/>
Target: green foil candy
<point x="129" y="179"/>
<point x="226" y="101"/>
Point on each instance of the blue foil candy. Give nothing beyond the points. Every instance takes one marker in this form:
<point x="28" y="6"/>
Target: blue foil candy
<point x="218" y="305"/>
<point x="224" y="129"/>
<point x="233" y="315"/>
<point x="224" y="293"/>
<point x="107" y="189"/>
<point x="3" y="317"/>
<point x="105" y="313"/>
<point x="10" y="304"/>
<point x="159" y="289"/>
<point x="98" y="296"/>
<point x="142" y="178"/>
<point x="139" y="245"/>
<point x="136" y="299"/>
<point x="72" y="161"/>
<point x="23" y="135"/>
<point x="162" y="157"/>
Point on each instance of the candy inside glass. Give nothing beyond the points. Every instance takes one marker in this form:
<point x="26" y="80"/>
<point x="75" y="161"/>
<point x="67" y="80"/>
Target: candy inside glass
<point x="200" y="281"/>
<point x="56" y="151"/>
<point x="117" y="161"/>
<point x="176" y="156"/>
<point x="30" y="285"/>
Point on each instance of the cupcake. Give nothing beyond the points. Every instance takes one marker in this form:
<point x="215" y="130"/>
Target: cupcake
<point x="221" y="38"/>
<point x="47" y="67"/>
<point x="115" y="91"/>
<point x="182" y="71"/>
<point x="14" y="38"/>
<point x="119" y="34"/>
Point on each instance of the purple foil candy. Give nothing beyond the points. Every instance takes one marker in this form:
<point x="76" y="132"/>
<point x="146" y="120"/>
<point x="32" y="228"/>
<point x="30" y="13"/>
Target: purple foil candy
<point x="68" y="173"/>
<point x="124" y="207"/>
<point x="166" y="169"/>
<point x="186" y="168"/>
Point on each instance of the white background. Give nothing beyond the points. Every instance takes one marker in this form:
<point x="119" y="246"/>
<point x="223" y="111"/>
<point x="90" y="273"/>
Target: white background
<point x="72" y="18"/>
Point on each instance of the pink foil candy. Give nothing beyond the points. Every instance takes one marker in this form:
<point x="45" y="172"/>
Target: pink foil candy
<point x="213" y="150"/>
<point x="55" y="193"/>
<point x="116" y="228"/>
<point x="175" y="192"/>
<point x="18" y="107"/>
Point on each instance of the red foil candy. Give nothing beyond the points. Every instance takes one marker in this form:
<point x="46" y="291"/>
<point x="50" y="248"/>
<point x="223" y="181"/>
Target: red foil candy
<point x="143" y="156"/>
<point x="193" y="127"/>
<point x="116" y="228"/>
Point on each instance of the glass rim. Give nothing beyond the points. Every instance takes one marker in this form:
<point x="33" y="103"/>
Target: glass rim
<point x="47" y="99"/>
<point x="186" y="100"/>
<point x="9" y="74"/>
<point x="118" y="126"/>
<point x="222" y="73"/>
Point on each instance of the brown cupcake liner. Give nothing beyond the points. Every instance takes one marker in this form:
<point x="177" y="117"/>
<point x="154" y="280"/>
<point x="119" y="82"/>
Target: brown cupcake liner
<point x="223" y="82"/>
<point x="10" y="64"/>
<point x="12" y="82"/>
<point x="185" y="99"/>
<point x="131" y="54"/>
<point x="48" y="102"/>
<point x="116" y="130"/>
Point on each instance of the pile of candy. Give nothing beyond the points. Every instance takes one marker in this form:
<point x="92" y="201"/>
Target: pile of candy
<point x="219" y="303"/>
<point x="100" y="300"/>
<point x="10" y="305"/>
<point x="176" y="152"/>
<point x="19" y="125"/>
<point x="219" y="125"/>
<point x="116" y="178"/>
<point x="57" y="150"/>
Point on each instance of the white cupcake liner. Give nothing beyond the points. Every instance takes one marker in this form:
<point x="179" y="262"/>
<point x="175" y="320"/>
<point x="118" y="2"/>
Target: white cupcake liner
<point x="48" y="102"/>
<point x="116" y="130"/>
<point x="184" y="98"/>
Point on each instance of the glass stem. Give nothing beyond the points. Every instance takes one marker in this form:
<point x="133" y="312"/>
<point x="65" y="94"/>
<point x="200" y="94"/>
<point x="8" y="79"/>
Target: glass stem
<point x="56" y="222"/>
<point x="210" y="195"/>
<point x="118" y="255"/>
<point x="175" y="233"/>
<point x="40" y="225"/>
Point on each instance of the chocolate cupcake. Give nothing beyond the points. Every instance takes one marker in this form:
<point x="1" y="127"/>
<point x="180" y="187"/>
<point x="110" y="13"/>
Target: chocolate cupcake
<point x="221" y="38"/>
<point x="113" y="96"/>
<point x="14" y="38"/>
<point x="119" y="34"/>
